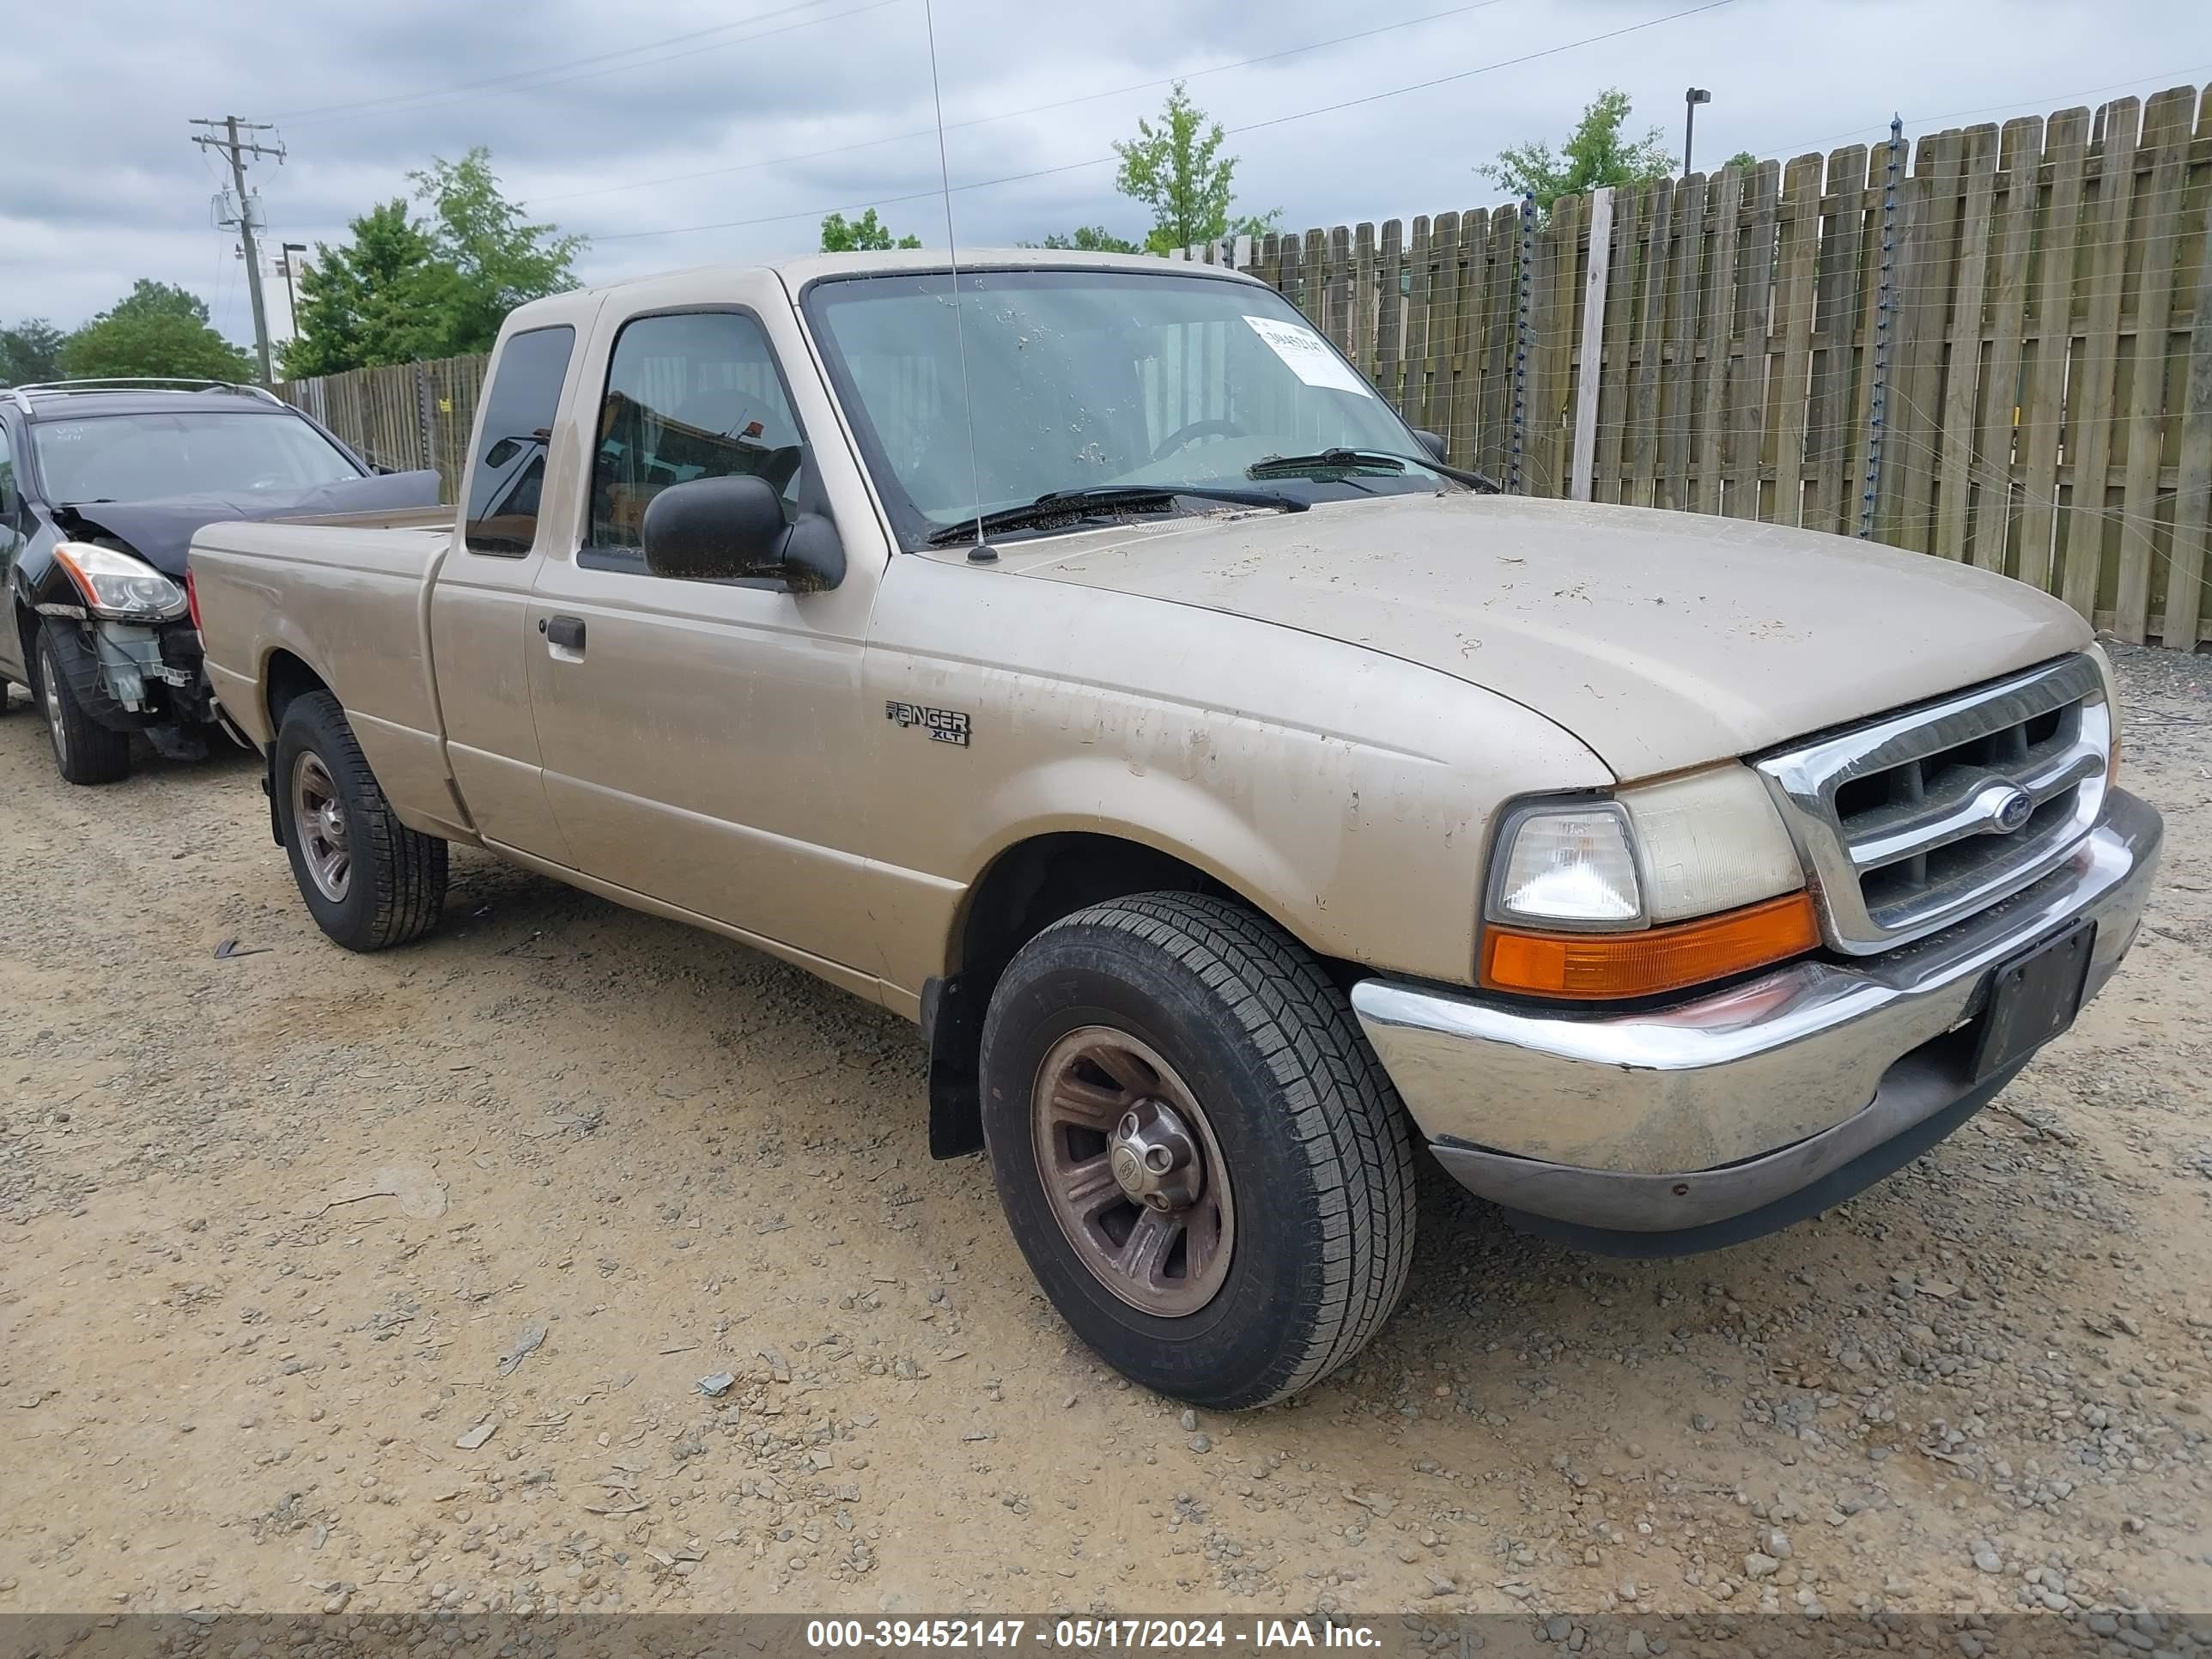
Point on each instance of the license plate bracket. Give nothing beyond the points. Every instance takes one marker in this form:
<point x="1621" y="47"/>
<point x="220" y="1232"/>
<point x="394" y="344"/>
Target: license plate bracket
<point x="2033" y="997"/>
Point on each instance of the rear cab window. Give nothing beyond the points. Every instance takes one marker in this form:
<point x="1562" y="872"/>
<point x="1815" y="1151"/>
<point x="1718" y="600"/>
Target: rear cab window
<point x="509" y="474"/>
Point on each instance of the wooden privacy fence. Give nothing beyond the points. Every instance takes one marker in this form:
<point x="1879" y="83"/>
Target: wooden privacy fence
<point x="1994" y="346"/>
<point x="1991" y="344"/>
<point x="404" y="417"/>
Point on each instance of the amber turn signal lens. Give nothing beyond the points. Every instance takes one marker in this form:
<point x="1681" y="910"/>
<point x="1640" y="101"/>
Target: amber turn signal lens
<point x="1664" y="958"/>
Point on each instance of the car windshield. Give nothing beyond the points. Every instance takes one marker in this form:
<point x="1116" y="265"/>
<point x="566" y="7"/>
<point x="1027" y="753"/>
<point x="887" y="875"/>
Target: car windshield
<point x="151" y="457"/>
<point x="1088" y="378"/>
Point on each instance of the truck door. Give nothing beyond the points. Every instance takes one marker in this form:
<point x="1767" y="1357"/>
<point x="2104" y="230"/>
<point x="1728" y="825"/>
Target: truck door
<point x="700" y="738"/>
<point x="480" y="631"/>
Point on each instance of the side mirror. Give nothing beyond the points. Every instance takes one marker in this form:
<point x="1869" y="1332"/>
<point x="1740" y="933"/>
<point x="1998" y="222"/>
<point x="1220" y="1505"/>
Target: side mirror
<point x="1433" y="442"/>
<point x="732" y="529"/>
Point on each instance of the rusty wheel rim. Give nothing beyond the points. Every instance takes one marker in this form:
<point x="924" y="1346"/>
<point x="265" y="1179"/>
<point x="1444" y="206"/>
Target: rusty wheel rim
<point x="1133" y="1172"/>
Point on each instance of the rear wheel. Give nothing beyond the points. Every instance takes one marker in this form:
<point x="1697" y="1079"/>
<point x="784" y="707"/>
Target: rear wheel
<point x="85" y="751"/>
<point x="1200" y="1155"/>
<point x="368" y="880"/>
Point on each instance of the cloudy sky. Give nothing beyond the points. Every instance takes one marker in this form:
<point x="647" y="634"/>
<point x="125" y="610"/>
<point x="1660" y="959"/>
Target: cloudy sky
<point x="678" y="132"/>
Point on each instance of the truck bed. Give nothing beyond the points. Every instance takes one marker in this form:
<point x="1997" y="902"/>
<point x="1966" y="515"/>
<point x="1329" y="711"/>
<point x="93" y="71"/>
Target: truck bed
<point x="348" y="599"/>
<point x="438" y="516"/>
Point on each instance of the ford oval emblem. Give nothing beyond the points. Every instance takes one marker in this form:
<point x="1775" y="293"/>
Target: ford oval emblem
<point x="2013" y="809"/>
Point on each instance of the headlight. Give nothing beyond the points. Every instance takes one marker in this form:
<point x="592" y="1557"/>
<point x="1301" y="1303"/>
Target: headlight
<point x="118" y="586"/>
<point x="1710" y="840"/>
<point x="1667" y="885"/>
<point x="1568" y="865"/>
<point x="2097" y="654"/>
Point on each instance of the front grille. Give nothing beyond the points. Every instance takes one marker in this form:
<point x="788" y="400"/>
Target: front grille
<point x="1914" y="821"/>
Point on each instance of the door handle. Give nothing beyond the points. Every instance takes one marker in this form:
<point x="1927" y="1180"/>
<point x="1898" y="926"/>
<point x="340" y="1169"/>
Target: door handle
<point x="563" y="633"/>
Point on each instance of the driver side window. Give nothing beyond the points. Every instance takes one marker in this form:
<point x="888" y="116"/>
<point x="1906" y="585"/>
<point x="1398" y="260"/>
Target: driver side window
<point x="691" y="396"/>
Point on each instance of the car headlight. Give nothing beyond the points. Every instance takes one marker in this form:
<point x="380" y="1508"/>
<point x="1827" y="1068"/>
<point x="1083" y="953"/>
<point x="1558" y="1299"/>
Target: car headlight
<point x="118" y="586"/>
<point x="1568" y="865"/>
<point x="1664" y="886"/>
<point x="2098" y="655"/>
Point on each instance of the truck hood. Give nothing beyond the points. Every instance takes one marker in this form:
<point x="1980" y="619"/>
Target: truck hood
<point x="1661" y="640"/>
<point x="161" y="532"/>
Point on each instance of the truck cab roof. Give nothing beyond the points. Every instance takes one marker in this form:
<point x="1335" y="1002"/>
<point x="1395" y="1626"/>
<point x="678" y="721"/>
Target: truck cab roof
<point x="799" y="271"/>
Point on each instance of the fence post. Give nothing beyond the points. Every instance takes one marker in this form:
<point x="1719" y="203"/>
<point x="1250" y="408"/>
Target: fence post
<point x="1521" y="344"/>
<point x="1885" y="309"/>
<point x="1586" y="379"/>
<point x="426" y="452"/>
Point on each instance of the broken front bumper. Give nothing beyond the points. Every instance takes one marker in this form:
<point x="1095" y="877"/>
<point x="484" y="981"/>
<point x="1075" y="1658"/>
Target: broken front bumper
<point x="134" y="677"/>
<point x="1717" y="1119"/>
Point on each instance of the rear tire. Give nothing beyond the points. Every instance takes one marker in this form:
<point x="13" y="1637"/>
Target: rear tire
<point x="85" y="751"/>
<point x="368" y="880"/>
<point x="1224" y="1061"/>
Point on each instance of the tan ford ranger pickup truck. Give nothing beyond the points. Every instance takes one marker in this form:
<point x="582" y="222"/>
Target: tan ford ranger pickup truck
<point x="1237" y="796"/>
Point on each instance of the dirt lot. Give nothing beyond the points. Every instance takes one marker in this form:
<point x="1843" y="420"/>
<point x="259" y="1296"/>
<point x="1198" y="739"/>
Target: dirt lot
<point x="281" y="1229"/>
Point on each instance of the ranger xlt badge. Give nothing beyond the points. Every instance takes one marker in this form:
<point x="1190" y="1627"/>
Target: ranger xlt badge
<point x="944" y="725"/>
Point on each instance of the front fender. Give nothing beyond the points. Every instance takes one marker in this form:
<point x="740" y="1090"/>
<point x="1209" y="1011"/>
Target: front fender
<point x="1177" y="815"/>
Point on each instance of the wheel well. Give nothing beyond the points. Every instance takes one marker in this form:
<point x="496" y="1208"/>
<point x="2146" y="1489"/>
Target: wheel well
<point x="27" y="636"/>
<point x="1026" y="889"/>
<point x="288" y="677"/>
<point x="1035" y="883"/>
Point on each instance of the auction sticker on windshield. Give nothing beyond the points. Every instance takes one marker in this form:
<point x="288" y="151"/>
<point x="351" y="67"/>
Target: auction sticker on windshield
<point x="1308" y="356"/>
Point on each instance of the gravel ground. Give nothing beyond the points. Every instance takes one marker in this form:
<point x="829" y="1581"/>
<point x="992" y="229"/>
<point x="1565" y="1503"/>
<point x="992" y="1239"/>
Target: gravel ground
<point x="340" y="1284"/>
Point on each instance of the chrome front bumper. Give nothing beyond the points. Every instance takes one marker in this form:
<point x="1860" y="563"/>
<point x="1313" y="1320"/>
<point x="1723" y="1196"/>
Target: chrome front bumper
<point x="1714" y="1120"/>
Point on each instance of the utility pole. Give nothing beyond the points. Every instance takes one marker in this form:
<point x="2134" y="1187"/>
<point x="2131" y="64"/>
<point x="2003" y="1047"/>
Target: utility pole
<point x="223" y="134"/>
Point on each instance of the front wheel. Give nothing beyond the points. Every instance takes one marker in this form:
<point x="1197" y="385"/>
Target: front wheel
<point x="1200" y="1155"/>
<point x="369" y="881"/>
<point x="85" y="751"/>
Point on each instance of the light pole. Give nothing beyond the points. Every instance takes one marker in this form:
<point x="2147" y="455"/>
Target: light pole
<point x="1690" y="99"/>
<point x="291" y="294"/>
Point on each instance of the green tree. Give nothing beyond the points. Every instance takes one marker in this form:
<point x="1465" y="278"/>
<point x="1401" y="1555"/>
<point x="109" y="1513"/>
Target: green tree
<point x="406" y="288"/>
<point x="156" y="329"/>
<point x="865" y="235"/>
<point x="497" y="260"/>
<point x="375" y="300"/>
<point x="1597" y="154"/>
<point x="1175" y="167"/>
<point x="1743" y="158"/>
<point x="30" y="352"/>
<point x="1089" y="239"/>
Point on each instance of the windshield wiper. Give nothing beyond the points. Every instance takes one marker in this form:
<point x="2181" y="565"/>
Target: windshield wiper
<point x="1055" y="504"/>
<point x="1365" y="460"/>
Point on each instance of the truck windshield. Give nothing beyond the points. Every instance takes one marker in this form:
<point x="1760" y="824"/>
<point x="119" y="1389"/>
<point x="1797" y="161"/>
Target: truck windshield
<point x="1083" y="378"/>
<point x="151" y="457"/>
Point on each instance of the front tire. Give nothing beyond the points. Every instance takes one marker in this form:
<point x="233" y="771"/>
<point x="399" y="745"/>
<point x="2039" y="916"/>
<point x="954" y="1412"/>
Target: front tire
<point x="85" y="751"/>
<point x="1203" y="1163"/>
<point x="368" y="880"/>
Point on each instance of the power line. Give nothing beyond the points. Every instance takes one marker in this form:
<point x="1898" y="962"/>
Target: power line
<point x="1013" y="115"/>
<point x="425" y="99"/>
<point x="1510" y="63"/>
<point x="1249" y="126"/>
<point x="543" y="68"/>
<point x="2048" y="101"/>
